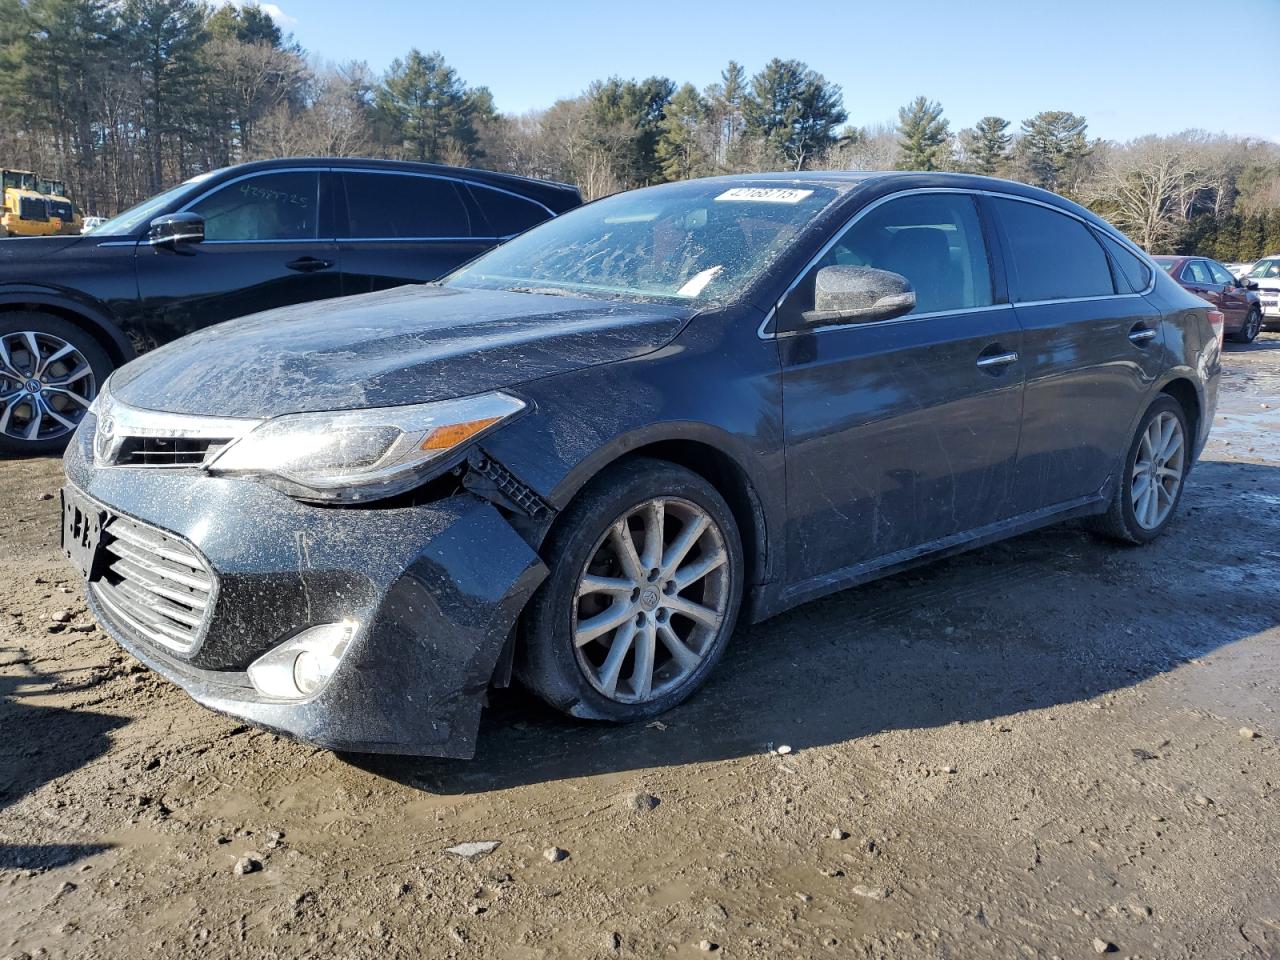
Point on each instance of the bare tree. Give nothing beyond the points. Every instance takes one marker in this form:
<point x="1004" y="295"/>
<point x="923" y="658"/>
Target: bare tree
<point x="1144" y="187"/>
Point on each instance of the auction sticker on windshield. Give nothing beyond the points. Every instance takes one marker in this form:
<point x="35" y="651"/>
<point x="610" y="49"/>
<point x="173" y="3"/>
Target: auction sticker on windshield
<point x="765" y="194"/>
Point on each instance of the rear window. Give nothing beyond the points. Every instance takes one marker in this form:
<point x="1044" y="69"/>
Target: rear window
<point x="389" y="206"/>
<point x="507" y="214"/>
<point x="1055" y="257"/>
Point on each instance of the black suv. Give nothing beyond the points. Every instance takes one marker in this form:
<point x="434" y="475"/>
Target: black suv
<point x="228" y="243"/>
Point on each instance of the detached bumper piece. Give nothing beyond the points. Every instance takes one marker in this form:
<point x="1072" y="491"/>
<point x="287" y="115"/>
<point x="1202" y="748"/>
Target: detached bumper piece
<point x="202" y="577"/>
<point x="154" y="585"/>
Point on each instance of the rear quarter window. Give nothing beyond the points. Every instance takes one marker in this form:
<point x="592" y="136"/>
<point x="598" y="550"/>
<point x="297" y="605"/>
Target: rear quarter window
<point x="1055" y="257"/>
<point x="1134" y="271"/>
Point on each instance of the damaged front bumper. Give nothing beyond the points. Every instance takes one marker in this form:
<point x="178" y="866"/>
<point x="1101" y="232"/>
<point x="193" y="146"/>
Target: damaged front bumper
<point x="431" y="594"/>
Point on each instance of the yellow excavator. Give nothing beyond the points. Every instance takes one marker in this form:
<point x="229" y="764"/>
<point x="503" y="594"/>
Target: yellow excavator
<point x="60" y="205"/>
<point x="26" y="209"/>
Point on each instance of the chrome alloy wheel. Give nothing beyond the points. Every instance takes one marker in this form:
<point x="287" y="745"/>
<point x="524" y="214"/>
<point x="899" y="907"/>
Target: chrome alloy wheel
<point x="1158" y="470"/>
<point x="46" y="386"/>
<point x="651" y="600"/>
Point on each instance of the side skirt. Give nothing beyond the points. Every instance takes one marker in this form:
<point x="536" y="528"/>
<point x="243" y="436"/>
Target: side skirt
<point x="892" y="563"/>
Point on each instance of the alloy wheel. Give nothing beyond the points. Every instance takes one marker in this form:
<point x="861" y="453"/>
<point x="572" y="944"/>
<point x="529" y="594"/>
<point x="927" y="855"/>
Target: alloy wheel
<point x="1158" y="470"/>
<point x="651" y="600"/>
<point x="46" y="386"/>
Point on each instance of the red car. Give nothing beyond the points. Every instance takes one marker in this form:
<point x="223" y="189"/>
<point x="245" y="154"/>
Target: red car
<point x="1210" y="280"/>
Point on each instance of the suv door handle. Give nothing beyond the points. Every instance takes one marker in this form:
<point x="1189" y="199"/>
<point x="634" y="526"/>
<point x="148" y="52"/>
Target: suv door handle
<point x="309" y="264"/>
<point x="1140" y="335"/>
<point x="993" y="361"/>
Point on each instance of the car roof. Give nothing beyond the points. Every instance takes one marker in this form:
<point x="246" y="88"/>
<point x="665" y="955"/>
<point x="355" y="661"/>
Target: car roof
<point x="509" y="181"/>
<point x="869" y="184"/>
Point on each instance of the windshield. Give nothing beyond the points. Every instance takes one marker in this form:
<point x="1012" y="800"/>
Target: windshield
<point x="1265" y="270"/>
<point x="687" y="242"/>
<point x="124" y="224"/>
<point x="1165" y="263"/>
<point x="17" y="180"/>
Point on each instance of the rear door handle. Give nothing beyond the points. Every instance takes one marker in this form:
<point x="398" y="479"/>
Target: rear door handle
<point x="1141" y="334"/>
<point x="988" y="361"/>
<point x="309" y="264"/>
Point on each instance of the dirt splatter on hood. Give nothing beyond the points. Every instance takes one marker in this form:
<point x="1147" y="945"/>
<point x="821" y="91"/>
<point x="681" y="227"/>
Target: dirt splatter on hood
<point x="407" y="345"/>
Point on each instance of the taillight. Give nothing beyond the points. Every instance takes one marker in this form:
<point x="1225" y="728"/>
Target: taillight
<point x="1218" y="320"/>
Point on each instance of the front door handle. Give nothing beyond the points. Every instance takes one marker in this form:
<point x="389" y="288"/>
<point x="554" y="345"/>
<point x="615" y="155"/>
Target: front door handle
<point x="1140" y="335"/>
<point x="309" y="264"/>
<point x="987" y="361"/>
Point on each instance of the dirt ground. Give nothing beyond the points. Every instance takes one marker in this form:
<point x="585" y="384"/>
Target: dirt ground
<point x="1039" y="749"/>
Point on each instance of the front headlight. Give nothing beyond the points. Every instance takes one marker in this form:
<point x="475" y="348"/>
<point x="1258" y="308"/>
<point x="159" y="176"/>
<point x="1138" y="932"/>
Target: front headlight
<point x="358" y="455"/>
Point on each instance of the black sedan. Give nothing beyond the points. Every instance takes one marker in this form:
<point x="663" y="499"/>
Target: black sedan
<point x="225" y="244"/>
<point x="583" y="457"/>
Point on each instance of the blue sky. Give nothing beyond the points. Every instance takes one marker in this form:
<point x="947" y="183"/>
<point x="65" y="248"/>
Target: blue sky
<point x="1129" y="67"/>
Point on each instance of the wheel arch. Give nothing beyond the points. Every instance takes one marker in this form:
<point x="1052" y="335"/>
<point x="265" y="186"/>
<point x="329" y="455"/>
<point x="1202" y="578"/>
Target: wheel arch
<point x="706" y="451"/>
<point x="1183" y="389"/>
<point x="92" y="319"/>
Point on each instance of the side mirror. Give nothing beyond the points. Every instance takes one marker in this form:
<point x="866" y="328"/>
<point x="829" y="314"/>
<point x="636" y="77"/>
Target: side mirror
<point x="1249" y="284"/>
<point x="173" y="229"/>
<point x="844" y="294"/>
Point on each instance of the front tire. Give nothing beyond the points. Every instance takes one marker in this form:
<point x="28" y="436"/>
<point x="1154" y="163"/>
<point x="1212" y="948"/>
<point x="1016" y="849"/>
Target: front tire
<point x="1152" y="477"/>
<point x="1252" y="326"/>
<point x="50" y="371"/>
<point x="642" y="596"/>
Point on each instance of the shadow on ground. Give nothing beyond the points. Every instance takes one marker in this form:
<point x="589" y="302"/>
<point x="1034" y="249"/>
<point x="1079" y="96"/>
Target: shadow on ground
<point x="39" y="745"/>
<point x="1049" y="618"/>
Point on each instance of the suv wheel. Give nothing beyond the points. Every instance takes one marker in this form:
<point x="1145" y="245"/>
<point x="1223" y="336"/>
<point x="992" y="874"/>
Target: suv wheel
<point x="642" y="596"/>
<point x="50" y="371"/>
<point x="1152" y="477"/>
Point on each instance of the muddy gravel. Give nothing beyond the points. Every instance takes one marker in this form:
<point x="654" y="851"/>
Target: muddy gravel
<point x="1048" y="747"/>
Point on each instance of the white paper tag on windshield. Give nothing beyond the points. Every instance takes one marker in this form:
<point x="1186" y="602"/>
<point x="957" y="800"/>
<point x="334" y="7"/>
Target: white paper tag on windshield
<point x="765" y="194"/>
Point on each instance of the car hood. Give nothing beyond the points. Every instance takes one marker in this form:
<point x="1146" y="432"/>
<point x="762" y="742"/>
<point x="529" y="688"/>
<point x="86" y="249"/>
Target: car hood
<point x="407" y="345"/>
<point x="28" y="249"/>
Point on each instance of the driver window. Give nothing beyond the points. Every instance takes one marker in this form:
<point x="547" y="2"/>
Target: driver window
<point x="274" y="206"/>
<point x="933" y="239"/>
<point x="1220" y="274"/>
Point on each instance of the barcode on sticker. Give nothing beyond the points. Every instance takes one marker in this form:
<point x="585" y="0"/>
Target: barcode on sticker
<point x="765" y="194"/>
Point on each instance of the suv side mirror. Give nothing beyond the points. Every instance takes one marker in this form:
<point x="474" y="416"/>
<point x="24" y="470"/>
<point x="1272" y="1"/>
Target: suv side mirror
<point x="843" y="294"/>
<point x="173" y="229"/>
<point x="1248" y="284"/>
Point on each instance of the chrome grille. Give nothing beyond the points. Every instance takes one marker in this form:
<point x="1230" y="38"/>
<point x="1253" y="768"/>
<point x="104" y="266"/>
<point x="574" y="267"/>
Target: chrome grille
<point x="154" y="585"/>
<point x="167" y="451"/>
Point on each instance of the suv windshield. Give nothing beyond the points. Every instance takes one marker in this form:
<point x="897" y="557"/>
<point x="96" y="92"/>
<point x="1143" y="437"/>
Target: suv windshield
<point x="688" y="242"/>
<point x="124" y="224"/>
<point x="1265" y="270"/>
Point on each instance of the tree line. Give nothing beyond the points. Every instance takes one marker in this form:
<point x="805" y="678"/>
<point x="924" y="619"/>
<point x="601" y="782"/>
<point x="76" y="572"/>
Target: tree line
<point x="122" y="98"/>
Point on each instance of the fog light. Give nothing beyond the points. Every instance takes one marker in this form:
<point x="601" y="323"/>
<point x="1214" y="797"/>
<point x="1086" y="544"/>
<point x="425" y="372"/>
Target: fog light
<point x="301" y="666"/>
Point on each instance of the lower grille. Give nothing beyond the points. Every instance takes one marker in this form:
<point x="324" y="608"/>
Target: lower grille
<point x="154" y="584"/>
<point x="30" y="208"/>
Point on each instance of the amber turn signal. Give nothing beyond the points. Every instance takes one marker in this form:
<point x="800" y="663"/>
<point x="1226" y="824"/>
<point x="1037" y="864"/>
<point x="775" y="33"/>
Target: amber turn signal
<point x="450" y="435"/>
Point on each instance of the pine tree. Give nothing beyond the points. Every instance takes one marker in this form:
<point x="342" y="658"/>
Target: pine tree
<point x="923" y="136"/>
<point x="427" y="108"/>
<point x="987" y="146"/>
<point x="724" y="106"/>
<point x="1052" y="149"/>
<point x="794" y="111"/>
<point x="682" y="139"/>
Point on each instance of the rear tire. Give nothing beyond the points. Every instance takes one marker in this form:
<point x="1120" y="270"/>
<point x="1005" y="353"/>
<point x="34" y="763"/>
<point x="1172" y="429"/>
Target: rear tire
<point x="628" y="624"/>
<point x="1252" y="326"/>
<point x="50" y="371"/>
<point x="1147" y="496"/>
